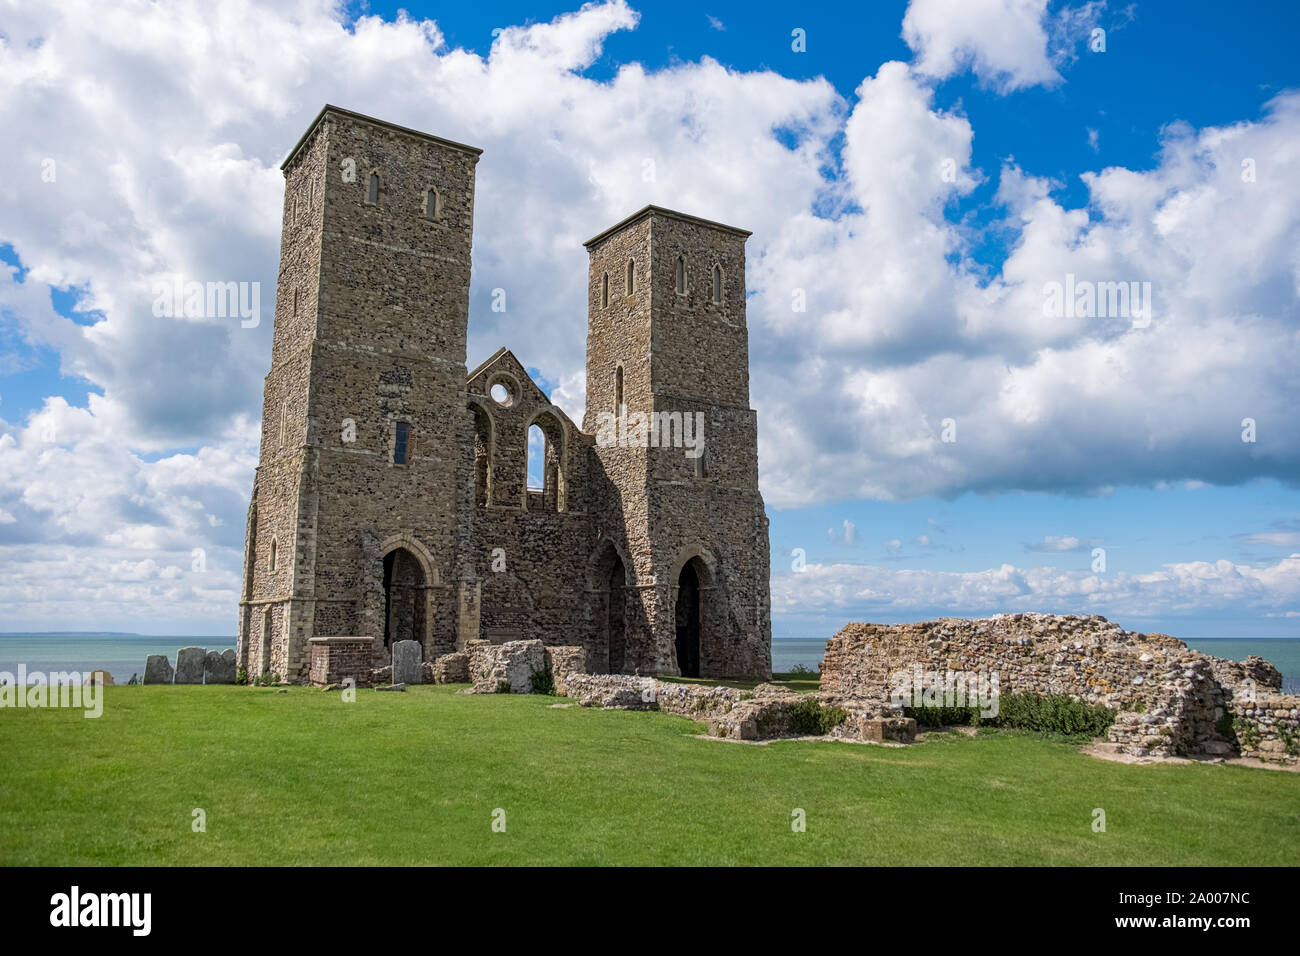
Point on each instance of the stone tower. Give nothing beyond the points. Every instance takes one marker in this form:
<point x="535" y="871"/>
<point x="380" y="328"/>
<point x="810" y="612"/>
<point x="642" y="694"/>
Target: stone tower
<point x="355" y="523"/>
<point x="668" y="361"/>
<point x="395" y="497"/>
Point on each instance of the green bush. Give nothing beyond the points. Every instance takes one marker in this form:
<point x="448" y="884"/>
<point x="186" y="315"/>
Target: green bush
<point x="241" y="677"/>
<point x="267" y="679"/>
<point x="809" y="718"/>
<point x="944" y="716"/>
<point x="1041" y="713"/>
<point x="543" y="682"/>
<point x="802" y="670"/>
<point x="1052" y="714"/>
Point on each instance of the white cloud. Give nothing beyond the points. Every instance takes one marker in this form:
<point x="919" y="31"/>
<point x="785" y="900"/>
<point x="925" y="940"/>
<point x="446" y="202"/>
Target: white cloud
<point x="1062" y="542"/>
<point x="863" y="592"/>
<point x="1008" y="44"/>
<point x="167" y="127"/>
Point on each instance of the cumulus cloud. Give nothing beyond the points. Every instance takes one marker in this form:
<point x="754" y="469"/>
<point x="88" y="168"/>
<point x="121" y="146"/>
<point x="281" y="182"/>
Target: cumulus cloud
<point x="1007" y="43"/>
<point x="902" y="330"/>
<point x="864" y="592"/>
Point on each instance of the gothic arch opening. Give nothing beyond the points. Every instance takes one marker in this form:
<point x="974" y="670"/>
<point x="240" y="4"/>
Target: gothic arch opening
<point x="404" y="598"/>
<point x="546" y="487"/>
<point x="607" y="585"/>
<point x="688" y="616"/>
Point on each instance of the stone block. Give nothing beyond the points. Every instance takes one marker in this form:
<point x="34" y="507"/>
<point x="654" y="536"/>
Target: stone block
<point x="406" y="662"/>
<point x="506" y="668"/>
<point x="158" y="669"/>
<point x="563" y="661"/>
<point x="189" y="665"/>
<point x="219" y="667"/>
<point x="452" y="669"/>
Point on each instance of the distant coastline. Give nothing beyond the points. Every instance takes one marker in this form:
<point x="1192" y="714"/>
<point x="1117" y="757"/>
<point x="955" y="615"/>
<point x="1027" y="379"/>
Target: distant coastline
<point x="123" y="653"/>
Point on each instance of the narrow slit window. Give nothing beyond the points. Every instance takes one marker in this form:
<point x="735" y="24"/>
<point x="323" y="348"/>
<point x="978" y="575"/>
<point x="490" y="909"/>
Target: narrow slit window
<point x="372" y="192"/>
<point x="717" y="283"/>
<point x="273" y="554"/>
<point x="604" y="291"/>
<point x="433" y="204"/>
<point x="401" y="444"/>
<point x="681" y="275"/>
<point x="618" y="388"/>
<point x="631" y="276"/>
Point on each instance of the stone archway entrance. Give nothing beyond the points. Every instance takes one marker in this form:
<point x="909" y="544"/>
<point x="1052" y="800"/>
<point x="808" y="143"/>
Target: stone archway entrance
<point x="404" y="598"/>
<point x="688" y="620"/>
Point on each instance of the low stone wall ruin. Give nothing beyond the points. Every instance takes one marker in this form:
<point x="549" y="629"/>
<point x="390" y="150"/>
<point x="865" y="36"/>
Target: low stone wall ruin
<point x="1169" y="698"/>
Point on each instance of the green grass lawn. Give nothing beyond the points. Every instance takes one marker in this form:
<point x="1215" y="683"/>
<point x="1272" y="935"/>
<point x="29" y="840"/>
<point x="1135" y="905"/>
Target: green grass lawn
<point x="305" y="778"/>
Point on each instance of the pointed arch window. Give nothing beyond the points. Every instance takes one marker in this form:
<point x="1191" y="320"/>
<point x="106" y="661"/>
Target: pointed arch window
<point x="681" y="275"/>
<point x="372" y="189"/>
<point x="717" y="282"/>
<point x="432" y="203"/>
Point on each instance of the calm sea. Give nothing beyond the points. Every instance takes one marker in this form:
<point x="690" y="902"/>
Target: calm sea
<point x="120" y="654"/>
<point x="124" y="654"/>
<point x="1282" y="652"/>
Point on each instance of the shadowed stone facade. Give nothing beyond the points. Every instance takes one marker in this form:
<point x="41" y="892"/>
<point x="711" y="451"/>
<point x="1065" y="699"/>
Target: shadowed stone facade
<point x="391" y="500"/>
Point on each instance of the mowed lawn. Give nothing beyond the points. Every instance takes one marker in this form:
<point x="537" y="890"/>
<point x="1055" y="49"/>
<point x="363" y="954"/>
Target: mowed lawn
<point x="414" y="778"/>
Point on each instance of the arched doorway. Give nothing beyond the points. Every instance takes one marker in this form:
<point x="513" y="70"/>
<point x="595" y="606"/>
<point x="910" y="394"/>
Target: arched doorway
<point x="688" y="620"/>
<point x="404" y="592"/>
<point x="615" y="622"/>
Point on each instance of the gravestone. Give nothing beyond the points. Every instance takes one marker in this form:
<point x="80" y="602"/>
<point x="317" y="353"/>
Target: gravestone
<point x="157" y="669"/>
<point x="406" y="663"/>
<point x="189" y="665"/>
<point x="219" y="667"/>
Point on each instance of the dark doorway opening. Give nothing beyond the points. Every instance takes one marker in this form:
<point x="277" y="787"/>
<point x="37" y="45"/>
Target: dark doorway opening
<point x="403" y="598"/>
<point x="688" y="622"/>
<point x="617" y="610"/>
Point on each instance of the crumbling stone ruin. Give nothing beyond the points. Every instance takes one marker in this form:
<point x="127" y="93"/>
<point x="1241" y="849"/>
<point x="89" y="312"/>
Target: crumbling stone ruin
<point x="1170" y="700"/>
<point x="391" y="499"/>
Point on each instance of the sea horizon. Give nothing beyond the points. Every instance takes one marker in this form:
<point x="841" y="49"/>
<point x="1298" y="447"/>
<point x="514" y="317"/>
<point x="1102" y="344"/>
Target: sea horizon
<point x="123" y="653"/>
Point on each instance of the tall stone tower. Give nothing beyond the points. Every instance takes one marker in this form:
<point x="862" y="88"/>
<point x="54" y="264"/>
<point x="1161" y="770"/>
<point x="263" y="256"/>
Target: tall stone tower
<point x="667" y="344"/>
<point x="358" y="504"/>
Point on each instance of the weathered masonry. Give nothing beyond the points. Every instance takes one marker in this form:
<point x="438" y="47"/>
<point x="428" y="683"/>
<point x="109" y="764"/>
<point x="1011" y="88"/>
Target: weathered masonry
<point x="391" y="499"/>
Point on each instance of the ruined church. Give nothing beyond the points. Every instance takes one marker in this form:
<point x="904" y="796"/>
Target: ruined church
<point x="392" y="500"/>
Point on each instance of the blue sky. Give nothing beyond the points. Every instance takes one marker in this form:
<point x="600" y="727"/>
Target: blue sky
<point x="1121" y="162"/>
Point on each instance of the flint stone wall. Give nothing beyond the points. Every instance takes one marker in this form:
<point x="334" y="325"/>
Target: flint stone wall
<point x="451" y="669"/>
<point x="759" y="714"/>
<point x="494" y="667"/>
<point x="564" y="660"/>
<point x="1269" y="727"/>
<point x="1170" y="698"/>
